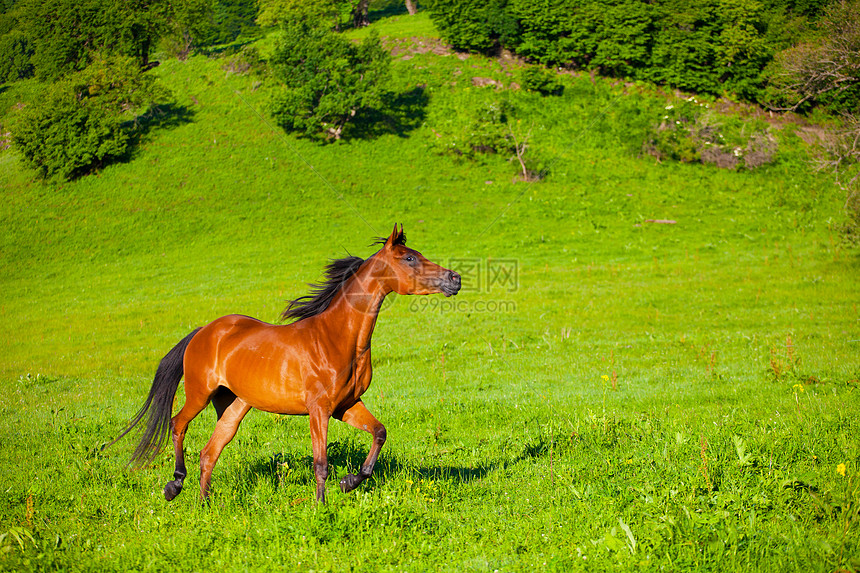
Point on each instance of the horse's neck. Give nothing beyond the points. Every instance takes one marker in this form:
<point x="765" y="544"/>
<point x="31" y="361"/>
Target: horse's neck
<point x="356" y="308"/>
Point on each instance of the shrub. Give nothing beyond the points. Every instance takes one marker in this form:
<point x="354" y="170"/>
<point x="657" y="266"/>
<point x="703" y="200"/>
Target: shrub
<point x="277" y="12"/>
<point x="472" y="123"/>
<point x="83" y="122"/>
<point x="475" y="123"/>
<point x="690" y="132"/>
<point x="760" y="149"/>
<point x="326" y="80"/>
<point x="540" y="80"/>
<point x="64" y="135"/>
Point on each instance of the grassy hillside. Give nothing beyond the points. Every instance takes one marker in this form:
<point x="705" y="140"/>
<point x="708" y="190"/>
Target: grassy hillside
<point x="678" y="395"/>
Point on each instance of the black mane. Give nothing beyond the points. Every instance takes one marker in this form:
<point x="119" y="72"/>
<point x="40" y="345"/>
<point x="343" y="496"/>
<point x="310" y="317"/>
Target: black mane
<point x="337" y="272"/>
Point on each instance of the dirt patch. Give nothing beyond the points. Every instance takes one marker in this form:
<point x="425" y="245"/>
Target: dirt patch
<point x="812" y="134"/>
<point x="417" y="45"/>
<point x="480" y="82"/>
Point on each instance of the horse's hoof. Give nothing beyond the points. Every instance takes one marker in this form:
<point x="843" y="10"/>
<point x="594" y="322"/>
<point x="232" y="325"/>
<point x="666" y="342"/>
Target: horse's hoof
<point x="349" y="483"/>
<point x="172" y="489"/>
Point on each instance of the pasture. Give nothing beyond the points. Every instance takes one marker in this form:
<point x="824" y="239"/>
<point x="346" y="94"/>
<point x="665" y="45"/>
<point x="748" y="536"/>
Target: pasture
<point x="606" y="392"/>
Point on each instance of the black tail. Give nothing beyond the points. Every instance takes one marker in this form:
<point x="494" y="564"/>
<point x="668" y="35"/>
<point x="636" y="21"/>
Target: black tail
<point x="159" y="404"/>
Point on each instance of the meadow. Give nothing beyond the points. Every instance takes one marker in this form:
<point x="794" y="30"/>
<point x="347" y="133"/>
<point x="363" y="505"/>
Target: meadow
<point x="651" y="365"/>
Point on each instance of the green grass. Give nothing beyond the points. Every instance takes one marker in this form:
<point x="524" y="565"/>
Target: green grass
<point x="675" y="396"/>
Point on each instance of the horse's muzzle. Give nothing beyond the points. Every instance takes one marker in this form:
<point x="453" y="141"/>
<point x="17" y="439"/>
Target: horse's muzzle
<point x="450" y="285"/>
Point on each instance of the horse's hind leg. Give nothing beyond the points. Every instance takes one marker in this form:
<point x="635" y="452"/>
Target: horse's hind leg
<point x="225" y="429"/>
<point x="194" y="404"/>
<point x="359" y="417"/>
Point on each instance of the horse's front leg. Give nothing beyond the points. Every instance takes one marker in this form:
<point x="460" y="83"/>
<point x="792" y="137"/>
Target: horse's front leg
<point x="360" y="418"/>
<point x="319" y="435"/>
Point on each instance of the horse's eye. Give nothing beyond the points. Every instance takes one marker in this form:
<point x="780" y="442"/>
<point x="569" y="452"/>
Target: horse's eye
<point x="409" y="259"/>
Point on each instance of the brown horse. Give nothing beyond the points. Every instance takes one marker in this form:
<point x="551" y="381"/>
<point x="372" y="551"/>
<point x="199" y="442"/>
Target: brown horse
<point x="317" y="366"/>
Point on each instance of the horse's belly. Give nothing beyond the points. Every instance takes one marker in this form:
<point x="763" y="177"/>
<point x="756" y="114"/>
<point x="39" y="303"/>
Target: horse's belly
<point x="289" y="407"/>
<point x="272" y="397"/>
<point x="268" y="382"/>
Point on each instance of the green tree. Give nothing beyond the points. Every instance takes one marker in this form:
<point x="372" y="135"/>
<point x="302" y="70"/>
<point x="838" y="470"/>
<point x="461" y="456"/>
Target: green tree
<point x="68" y="33"/>
<point x="360" y="17"/>
<point x="558" y="33"/>
<point x="623" y="38"/>
<point x="476" y="25"/>
<point x="193" y="23"/>
<point x="83" y="121"/>
<point x="140" y="24"/>
<point x="232" y="19"/>
<point x="326" y="80"/>
<point x="16" y="47"/>
<point x="742" y="50"/>
<point x="15" y="53"/>
<point x="684" y="53"/>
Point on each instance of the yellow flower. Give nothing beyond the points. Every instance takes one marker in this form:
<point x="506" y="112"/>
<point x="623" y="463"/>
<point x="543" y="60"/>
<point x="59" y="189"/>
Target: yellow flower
<point x="840" y="469"/>
<point x="798" y="387"/>
<point x="605" y="377"/>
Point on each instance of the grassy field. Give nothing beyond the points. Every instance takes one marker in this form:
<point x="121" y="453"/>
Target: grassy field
<point x="606" y="393"/>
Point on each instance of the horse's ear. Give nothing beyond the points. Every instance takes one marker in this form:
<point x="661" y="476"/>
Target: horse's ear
<point x="393" y="238"/>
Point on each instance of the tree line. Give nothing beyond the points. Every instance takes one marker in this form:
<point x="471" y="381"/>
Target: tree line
<point x="720" y="47"/>
<point x="94" y="58"/>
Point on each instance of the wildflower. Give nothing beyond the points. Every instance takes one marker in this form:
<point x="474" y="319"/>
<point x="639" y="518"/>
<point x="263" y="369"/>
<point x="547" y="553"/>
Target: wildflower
<point x="670" y="106"/>
<point x="798" y="388"/>
<point x="840" y="469"/>
<point x="605" y="377"/>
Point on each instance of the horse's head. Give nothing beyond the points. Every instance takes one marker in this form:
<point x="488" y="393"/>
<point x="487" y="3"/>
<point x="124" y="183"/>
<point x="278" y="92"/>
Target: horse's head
<point x="406" y="271"/>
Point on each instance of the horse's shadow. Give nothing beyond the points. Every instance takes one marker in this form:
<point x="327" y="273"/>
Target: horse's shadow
<point x="347" y="457"/>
